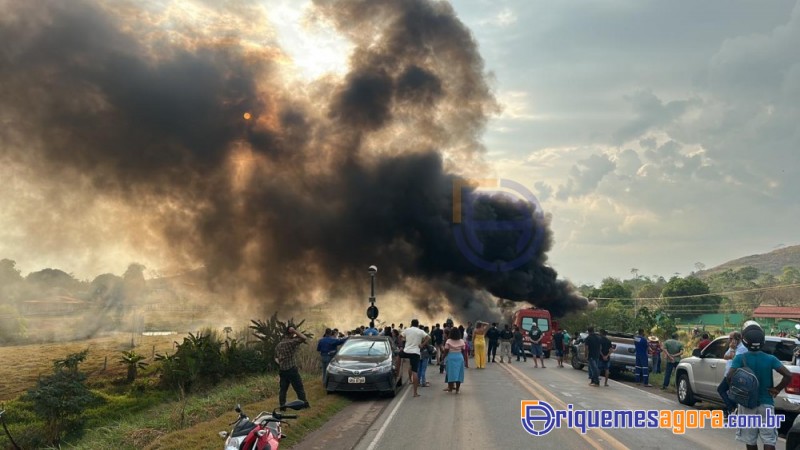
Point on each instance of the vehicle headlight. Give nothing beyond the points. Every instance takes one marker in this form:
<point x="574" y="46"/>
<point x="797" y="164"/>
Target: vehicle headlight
<point x="233" y="443"/>
<point x="334" y="369"/>
<point x="383" y="367"/>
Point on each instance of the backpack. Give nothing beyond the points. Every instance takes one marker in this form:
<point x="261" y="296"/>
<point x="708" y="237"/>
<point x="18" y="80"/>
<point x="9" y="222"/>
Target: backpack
<point x="744" y="386"/>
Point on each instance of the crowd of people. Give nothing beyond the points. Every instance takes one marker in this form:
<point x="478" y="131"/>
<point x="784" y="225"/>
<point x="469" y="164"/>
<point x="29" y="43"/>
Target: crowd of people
<point x="450" y="348"/>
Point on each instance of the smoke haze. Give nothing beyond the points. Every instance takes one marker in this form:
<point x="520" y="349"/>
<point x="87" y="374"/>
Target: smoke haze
<point x="132" y="123"/>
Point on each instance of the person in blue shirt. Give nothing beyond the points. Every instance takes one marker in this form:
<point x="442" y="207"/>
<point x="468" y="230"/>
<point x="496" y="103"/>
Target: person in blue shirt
<point x="371" y="331"/>
<point x="762" y="364"/>
<point x="327" y="349"/>
<point x="642" y="373"/>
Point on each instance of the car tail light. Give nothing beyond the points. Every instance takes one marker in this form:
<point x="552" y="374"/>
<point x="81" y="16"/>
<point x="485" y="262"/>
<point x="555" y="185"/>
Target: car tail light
<point x="794" y="386"/>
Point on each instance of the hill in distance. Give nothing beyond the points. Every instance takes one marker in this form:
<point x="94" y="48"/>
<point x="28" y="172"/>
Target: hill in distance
<point x="772" y="262"/>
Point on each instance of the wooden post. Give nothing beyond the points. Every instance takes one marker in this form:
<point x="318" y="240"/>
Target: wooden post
<point x="154" y="352"/>
<point x="105" y="363"/>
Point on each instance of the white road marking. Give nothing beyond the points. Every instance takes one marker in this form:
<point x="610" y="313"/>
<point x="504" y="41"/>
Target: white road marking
<point x="566" y="394"/>
<point x="389" y="419"/>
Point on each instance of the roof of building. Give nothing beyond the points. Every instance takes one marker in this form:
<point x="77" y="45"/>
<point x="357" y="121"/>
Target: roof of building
<point x="777" y="312"/>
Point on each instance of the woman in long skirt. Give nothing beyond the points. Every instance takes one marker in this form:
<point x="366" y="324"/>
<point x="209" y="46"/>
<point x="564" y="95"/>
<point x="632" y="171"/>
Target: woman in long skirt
<point x="480" y="344"/>
<point x="454" y="361"/>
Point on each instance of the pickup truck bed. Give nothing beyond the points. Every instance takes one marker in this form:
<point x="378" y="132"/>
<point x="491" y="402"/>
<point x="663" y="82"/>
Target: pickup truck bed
<point x="623" y="353"/>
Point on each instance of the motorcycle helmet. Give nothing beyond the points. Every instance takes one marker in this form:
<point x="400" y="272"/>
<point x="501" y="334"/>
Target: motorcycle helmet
<point x="752" y="336"/>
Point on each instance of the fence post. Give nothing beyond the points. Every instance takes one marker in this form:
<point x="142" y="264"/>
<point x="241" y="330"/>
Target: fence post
<point x="105" y="363"/>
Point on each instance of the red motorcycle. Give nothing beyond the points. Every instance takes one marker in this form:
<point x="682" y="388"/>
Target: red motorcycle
<point x="263" y="433"/>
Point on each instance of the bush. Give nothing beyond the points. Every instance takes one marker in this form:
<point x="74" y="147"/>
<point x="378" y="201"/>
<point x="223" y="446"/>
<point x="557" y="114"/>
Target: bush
<point x="198" y="358"/>
<point x="61" y="398"/>
<point x="270" y="333"/>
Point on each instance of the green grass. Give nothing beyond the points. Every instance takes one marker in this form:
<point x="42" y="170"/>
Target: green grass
<point x="165" y="423"/>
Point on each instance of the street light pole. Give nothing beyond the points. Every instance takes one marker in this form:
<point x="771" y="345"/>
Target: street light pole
<point x="372" y="311"/>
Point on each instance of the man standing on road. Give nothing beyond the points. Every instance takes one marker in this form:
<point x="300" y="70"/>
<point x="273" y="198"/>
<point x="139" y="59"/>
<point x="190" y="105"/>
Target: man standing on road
<point x="327" y="349"/>
<point x="536" y="336"/>
<point x="558" y="346"/>
<point x="673" y="348"/>
<point x="288" y="374"/>
<point x="604" y="364"/>
<point x="591" y="349"/>
<point x="505" y="343"/>
<point x="413" y="339"/>
<point x="642" y="361"/>
<point x="761" y="364"/>
<point x="517" y="345"/>
<point x="493" y="336"/>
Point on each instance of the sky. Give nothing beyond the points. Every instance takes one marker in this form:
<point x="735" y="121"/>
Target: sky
<point x="655" y="134"/>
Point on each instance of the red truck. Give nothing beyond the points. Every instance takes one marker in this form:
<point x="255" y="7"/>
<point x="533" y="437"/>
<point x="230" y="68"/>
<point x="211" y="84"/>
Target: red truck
<point x="524" y="319"/>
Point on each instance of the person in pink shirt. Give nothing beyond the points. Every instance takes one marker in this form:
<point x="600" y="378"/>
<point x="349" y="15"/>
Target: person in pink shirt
<point x="454" y="360"/>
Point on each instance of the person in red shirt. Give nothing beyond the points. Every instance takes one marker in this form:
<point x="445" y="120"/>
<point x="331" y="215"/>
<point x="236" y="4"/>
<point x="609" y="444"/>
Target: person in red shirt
<point x="704" y="341"/>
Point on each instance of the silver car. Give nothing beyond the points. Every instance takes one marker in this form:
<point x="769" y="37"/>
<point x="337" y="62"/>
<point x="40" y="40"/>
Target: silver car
<point x="698" y="376"/>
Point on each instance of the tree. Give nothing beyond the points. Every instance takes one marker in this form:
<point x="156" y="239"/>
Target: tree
<point x="9" y="273"/>
<point x="612" y="288"/>
<point x="683" y="297"/>
<point x="61" y="398"/>
<point x="134" y="362"/>
<point x="699" y="266"/>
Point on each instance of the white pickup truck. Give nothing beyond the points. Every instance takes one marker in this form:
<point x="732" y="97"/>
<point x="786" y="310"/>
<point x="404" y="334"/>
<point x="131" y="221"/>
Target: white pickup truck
<point x="698" y="376"/>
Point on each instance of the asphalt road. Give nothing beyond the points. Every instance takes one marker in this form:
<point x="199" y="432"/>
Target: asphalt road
<point x="486" y="414"/>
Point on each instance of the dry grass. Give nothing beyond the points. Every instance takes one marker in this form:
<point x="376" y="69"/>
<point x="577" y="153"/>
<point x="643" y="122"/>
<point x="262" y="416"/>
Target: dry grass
<point x="204" y="435"/>
<point x="23" y="364"/>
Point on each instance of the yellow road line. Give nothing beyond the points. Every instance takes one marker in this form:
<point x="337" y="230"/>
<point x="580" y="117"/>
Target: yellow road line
<point x="542" y="393"/>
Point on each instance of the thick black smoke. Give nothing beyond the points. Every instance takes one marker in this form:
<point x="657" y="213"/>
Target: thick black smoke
<point x="308" y="191"/>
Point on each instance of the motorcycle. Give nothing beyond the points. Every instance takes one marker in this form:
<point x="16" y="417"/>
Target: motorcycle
<point x="263" y="433"/>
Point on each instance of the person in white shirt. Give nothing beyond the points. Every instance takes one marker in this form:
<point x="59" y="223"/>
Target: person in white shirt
<point x="735" y="347"/>
<point x="413" y="339"/>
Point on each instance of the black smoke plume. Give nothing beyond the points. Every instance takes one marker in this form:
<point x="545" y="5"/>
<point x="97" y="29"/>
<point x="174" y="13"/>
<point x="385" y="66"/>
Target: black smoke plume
<point x="307" y="189"/>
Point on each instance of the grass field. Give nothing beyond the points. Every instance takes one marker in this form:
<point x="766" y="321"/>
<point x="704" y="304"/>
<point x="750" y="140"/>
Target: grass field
<point x="23" y="364"/>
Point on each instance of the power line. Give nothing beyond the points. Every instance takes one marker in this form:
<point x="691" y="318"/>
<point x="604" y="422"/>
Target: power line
<point x="743" y="291"/>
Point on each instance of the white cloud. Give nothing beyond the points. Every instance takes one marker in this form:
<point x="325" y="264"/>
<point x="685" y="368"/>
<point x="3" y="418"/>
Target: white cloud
<point x="504" y="18"/>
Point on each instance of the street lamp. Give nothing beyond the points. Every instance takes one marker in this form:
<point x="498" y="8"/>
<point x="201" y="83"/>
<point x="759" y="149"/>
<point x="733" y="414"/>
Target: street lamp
<point x="372" y="311"/>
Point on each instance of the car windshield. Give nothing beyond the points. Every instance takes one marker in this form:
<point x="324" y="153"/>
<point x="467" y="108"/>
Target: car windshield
<point x="364" y="347"/>
<point x="783" y="350"/>
<point x="527" y="323"/>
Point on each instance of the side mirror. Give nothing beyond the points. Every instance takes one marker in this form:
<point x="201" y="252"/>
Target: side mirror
<point x="696" y="352"/>
<point x="238" y="408"/>
<point x="223" y="434"/>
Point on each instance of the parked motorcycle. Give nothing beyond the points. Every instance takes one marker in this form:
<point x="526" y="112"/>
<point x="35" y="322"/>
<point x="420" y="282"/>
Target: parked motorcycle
<point x="263" y="433"/>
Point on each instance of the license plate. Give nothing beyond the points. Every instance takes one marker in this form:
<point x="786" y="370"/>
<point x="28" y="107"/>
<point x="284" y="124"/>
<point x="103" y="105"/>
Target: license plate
<point x="356" y="380"/>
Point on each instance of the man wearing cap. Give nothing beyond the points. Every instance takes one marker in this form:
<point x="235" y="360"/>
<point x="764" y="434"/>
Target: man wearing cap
<point x="762" y="365"/>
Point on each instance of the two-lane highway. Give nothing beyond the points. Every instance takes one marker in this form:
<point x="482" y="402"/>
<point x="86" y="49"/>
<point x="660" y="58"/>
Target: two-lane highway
<point x="486" y="414"/>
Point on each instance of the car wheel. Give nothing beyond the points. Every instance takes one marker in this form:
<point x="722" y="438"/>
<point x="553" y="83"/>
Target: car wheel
<point x="575" y="363"/>
<point x="685" y="394"/>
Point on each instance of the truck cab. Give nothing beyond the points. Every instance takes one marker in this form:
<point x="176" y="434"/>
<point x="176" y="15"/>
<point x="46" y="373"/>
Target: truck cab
<point x="525" y="318"/>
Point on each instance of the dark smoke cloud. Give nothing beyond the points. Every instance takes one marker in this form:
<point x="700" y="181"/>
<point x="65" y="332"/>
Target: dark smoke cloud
<point x="311" y="190"/>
